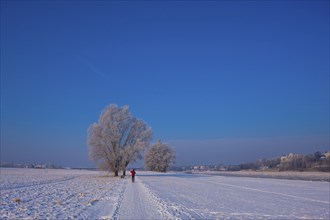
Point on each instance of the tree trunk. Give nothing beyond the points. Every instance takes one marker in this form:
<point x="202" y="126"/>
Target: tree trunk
<point x="124" y="171"/>
<point x="116" y="168"/>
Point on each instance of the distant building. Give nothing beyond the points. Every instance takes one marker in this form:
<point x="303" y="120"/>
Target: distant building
<point x="40" y="166"/>
<point x="327" y="154"/>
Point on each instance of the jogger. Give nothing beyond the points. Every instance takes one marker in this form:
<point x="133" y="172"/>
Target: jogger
<point x="133" y="175"/>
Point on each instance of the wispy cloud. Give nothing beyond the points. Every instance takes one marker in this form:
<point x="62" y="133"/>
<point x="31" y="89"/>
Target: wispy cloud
<point x="96" y="70"/>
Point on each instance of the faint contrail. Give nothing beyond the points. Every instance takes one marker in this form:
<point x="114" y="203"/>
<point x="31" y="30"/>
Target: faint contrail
<point x="95" y="70"/>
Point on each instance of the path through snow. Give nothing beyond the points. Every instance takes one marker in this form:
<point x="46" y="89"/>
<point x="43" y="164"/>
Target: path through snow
<point x="138" y="202"/>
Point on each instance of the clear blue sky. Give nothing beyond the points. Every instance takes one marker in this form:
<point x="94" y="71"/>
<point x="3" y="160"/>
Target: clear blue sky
<point x="222" y="81"/>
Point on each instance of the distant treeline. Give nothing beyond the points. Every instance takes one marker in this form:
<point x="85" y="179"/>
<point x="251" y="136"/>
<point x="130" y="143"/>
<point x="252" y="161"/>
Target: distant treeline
<point x="295" y="162"/>
<point x="36" y="166"/>
<point x="41" y="166"/>
<point x="291" y="162"/>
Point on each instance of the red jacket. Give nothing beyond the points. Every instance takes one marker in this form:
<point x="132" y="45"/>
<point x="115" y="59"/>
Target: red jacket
<point x="133" y="173"/>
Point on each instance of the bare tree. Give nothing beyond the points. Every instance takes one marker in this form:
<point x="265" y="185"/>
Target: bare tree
<point x="159" y="157"/>
<point x="117" y="139"/>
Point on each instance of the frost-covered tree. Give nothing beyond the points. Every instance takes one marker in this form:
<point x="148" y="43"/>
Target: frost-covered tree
<point x="159" y="157"/>
<point x="117" y="139"/>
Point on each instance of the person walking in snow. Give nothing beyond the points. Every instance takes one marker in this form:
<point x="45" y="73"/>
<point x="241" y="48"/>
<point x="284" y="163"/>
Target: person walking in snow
<point x="133" y="175"/>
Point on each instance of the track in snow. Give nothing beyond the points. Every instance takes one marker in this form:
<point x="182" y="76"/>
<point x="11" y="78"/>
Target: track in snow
<point x="36" y="184"/>
<point x="138" y="202"/>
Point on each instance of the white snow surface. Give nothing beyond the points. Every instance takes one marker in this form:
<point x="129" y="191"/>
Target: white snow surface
<point x="82" y="194"/>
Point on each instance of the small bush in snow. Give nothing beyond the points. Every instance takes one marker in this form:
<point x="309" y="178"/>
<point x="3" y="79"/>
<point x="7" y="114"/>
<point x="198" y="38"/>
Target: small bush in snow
<point x="18" y="200"/>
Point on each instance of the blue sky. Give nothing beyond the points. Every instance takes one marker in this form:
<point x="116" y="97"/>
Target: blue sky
<point x="216" y="79"/>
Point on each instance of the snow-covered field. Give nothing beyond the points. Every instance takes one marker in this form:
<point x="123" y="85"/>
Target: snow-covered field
<point x="62" y="194"/>
<point x="292" y="175"/>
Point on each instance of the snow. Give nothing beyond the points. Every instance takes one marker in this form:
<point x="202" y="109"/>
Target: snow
<point x="140" y="202"/>
<point x="293" y="175"/>
<point x="62" y="194"/>
<point x="216" y="197"/>
<point x="56" y="194"/>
